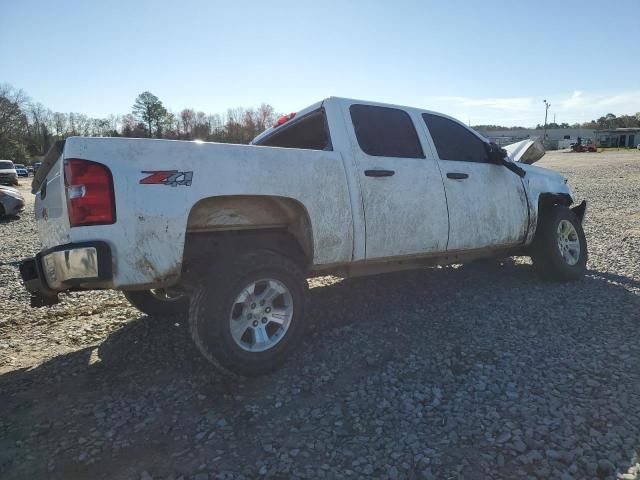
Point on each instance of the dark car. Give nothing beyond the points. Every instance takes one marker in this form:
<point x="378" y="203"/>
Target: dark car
<point x="21" y="170"/>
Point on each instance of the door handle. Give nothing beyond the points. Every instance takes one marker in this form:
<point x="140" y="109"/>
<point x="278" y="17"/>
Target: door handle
<point x="379" y="173"/>
<point x="457" y="175"/>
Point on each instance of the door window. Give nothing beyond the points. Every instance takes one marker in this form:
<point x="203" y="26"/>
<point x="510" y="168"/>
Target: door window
<point x="385" y="132"/>
<point x="453" y="141"/>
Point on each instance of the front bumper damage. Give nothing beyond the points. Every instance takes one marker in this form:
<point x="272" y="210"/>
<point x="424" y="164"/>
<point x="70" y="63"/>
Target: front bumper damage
<point x="580" y="210"/>
<point x="75" y="266"/>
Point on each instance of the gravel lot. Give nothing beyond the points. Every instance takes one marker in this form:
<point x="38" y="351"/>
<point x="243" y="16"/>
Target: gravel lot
<point x="479" y="371"/>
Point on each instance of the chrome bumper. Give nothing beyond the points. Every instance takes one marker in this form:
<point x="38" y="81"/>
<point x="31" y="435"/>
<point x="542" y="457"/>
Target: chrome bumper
<point x="70" y="264"/>
<point x="67" y="267"/>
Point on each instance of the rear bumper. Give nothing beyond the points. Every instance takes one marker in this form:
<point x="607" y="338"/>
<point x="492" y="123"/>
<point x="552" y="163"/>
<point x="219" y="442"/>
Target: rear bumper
<point x="75" y="266"/>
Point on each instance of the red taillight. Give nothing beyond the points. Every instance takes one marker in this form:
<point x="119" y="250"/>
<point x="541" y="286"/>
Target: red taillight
<point x="90" y="198"/>
<point x="284" y="119"/>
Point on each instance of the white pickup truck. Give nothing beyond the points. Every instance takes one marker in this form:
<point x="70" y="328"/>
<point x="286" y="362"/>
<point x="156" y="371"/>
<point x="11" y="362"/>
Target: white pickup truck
<point x="229" y="233"/>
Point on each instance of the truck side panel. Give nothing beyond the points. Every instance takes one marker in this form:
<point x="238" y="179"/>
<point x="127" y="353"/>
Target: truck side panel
<point x="148" y="237"/>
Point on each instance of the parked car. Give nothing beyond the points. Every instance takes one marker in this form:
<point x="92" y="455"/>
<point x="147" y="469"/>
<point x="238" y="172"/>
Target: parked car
<point x="21" y="170"/>
<point x="11" y="201"/>
<point x="30" y="169"/>
<point x="8" y="174"/>
<point x="228" y="234"/>
<point x="36" y="166"/>
<point x="584" y="147"/>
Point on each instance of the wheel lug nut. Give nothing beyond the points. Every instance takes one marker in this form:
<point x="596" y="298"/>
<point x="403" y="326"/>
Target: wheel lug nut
<point x="249" y="316"/>
<point x="264" y="319"/>
<point x="255" y="323"/>
<point x="253" y="305"/>
<point x="268" y="309"/>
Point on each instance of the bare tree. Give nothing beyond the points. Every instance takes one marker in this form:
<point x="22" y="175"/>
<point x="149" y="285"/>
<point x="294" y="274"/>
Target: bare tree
<point x="187" y="117"/>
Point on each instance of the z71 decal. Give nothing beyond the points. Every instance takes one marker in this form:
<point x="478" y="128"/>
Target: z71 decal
<point x="173" y="178"/>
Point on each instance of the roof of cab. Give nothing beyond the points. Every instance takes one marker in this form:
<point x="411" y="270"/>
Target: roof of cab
<point x="344" y="100"/>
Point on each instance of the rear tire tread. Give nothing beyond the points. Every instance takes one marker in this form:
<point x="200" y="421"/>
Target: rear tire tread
<point x="213" y="297"/>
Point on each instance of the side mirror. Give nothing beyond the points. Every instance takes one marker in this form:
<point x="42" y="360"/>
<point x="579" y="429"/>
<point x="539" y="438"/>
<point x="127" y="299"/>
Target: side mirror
<point x="498" y="156"/>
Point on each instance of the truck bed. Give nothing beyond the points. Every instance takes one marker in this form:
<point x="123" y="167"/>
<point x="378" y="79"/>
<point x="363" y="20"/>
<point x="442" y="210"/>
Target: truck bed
<point x="153" y="213"/>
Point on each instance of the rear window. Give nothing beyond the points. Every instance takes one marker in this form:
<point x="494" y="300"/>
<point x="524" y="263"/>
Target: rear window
<point x="385" y="132"/>
<point x="6" y="164"/>
<point x="453" y="141"/>
<point x="309" y="132"/>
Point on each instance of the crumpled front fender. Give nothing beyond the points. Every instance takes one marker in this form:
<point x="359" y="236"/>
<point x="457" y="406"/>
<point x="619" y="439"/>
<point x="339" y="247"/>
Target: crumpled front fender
<point x="580" y="210"/>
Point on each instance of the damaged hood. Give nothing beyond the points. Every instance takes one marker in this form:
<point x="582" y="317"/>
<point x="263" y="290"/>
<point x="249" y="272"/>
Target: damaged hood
<point x="526" y="151"/>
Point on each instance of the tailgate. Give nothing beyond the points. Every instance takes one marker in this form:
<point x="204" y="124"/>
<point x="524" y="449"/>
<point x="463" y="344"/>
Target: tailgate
<point x="48" y="162"/>
<point x="50" y="207"/>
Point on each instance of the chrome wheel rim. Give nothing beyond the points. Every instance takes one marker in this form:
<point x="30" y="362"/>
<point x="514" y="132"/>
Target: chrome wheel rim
<point x="165" y="295"/>
<point x="568" y="242"/>
<point x="261" y="315"/>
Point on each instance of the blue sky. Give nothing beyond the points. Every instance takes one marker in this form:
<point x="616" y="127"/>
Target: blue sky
<point x="481" y="61"/>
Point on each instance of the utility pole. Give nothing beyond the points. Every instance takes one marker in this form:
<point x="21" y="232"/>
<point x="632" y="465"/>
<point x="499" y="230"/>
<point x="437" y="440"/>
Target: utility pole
<point x="546" y="111"/>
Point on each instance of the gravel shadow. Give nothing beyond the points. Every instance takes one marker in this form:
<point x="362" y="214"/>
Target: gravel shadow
<point x="492" y="348"/>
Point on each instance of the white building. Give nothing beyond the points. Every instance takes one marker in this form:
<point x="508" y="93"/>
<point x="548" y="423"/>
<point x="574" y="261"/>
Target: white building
<point x="555" y="137"/>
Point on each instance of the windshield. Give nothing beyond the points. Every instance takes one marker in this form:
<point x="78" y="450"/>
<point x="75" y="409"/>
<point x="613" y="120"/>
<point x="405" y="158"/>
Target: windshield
<point x="19" y="165"/>
<point x="5" y="164"/>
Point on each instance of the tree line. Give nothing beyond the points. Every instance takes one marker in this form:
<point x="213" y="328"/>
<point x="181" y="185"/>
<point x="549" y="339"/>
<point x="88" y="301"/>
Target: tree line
<point x="607" y="121"/>
<point x="28" y="128"/>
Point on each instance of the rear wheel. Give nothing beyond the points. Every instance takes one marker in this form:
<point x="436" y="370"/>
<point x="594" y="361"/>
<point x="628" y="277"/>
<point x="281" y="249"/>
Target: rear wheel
<point x="159" y="302"/>
<point x="560" y="246"/>
<point x="247" y="317"/>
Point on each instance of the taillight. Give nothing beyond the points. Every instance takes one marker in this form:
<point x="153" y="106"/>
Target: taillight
<point x="90" y="197"/>
<point x="284" y="119"/>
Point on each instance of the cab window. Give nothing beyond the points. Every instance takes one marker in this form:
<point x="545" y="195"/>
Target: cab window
<point x="309" y="132"/>
<point x="385" y="132"/>
<point x="453" y="141"/>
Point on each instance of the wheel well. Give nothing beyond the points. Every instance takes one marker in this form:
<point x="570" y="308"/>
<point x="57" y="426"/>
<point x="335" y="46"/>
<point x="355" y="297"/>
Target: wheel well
<point x="257" y="213"/>
<point x="229" y="224"/>
<point x="202" y="249"/>
<point x="548" y="200"/>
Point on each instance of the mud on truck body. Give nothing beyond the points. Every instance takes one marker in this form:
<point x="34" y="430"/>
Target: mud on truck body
<point x="229" y="234"/>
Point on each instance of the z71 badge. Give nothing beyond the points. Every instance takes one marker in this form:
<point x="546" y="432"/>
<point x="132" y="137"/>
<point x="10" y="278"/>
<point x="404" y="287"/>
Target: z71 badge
<point x="172" y="178"/>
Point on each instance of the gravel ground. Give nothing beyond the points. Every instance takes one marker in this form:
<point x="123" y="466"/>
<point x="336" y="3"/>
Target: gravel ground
<point x="477" y="371"/>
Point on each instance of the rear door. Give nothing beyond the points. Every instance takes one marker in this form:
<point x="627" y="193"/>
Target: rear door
<point x="487" y="202"/>
<point x="401" y="187"/>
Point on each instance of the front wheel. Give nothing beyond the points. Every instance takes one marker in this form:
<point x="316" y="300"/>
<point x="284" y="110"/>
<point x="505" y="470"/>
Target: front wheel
<point x="560" y="246"/>
<point x="247" y="317"/>
<point x="159" y="302"/>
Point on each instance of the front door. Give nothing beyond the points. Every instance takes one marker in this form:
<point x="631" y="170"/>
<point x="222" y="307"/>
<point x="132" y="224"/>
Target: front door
<point x="487" y="202"/>
<point x="402" y="189"/>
